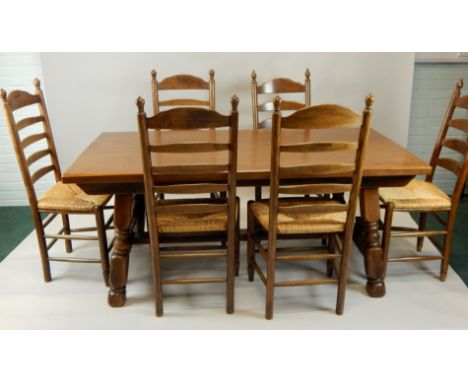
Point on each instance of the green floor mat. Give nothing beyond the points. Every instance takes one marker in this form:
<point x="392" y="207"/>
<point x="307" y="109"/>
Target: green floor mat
<point x="15" y="224"/>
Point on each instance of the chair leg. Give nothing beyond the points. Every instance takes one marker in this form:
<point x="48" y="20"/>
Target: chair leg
<point x="447" y="251"/>
<point x="103" y="250"/>
<point x="237" y="243"/>
<point x="157" y="282"/>
<point x="342" y="280"/>
<point x="231" y="271"/>
<point x="422" y="227"/>
<point x="387" y="230"/>
<point x="250" y="244"/>
<point x="331" y="249"/>
<point x="258" y="193"/>
<point x="66" y="231"/>
<point x="270" y="281"/>
<point x="42" y="246"/>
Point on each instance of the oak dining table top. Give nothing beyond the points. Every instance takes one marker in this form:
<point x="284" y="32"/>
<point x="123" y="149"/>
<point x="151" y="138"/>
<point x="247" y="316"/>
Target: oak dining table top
<point x="114" y="158"/>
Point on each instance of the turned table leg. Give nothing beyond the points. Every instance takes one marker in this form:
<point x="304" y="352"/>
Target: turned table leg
<point x="368" y="241"/>
<point x="122" y="244"/>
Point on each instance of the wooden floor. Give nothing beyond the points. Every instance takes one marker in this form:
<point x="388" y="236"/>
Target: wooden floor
<point x="77" y="297"/>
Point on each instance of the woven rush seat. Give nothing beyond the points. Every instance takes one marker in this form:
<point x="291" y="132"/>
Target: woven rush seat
<point x="188" y="223"/>
<point x="301" y="223"/>
<point x="418" y="195"/>
<point x="70" y="197"/>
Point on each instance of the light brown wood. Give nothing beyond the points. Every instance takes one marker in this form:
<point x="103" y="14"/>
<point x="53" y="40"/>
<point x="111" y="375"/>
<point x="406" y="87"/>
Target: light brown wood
<point x="113" y="158"/>
<point x="323" y="117"/>
<point x="182" y="82"/>
<point x="314" y="118"/>
<point x="318" y="147"/>
<point x="460" y="124"/>
<point x="190" y="118"/>
<point x="21" y="124"/>
<point x="12" y="102"/>
<point x="459" y="168"/>
<point x="314" y="189"/>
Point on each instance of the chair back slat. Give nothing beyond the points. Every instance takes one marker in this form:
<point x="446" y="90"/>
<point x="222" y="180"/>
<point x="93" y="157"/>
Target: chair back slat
<point x="187" y="118"/>
<point x="460" y="124"/>
<point x="315" y="170"/>
<point x="184" y="102"/>
<point x="318" y="147"/>
<point x="314" y="189"/>
<point x="32" y="139"/>
<point x="323" y="117"/>
<point x="183" y="82"/>
<point x="456" y="145"/>
<point x="194" y="147"/>
<point x="41" y="172"/>
<point x="28" y="122"/>
<point x="200" y="188"/>
<point x="462" y="102"/>
<point x="19" y="98"/>
<point x="190" y="169"/>
<point x="37" y="155"/>
<point x="285" y="105"/>
<point x="281" y="85"/>
<point x="449" y="164"/>
<point x="277" y="86"/>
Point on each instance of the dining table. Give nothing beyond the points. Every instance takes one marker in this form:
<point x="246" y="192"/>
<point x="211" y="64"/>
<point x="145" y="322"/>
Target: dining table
<point x="112" y="164"/>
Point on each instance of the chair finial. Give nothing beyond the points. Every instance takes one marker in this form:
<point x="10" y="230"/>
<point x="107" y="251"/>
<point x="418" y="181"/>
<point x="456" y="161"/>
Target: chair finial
<point x="4" y="95"/>
<point x="369" y="101"/>
<point x="277" y="103"/>
<point x="153" y="74"/>
<point x="460" y="83"/>
<point x="234" y="102"/>
<point x="307" y="73"/>
<point x="253" y="75"/>
<point x="140" y="102"/>
<point x="212" y="73"/>
<point x="37" y="83"/>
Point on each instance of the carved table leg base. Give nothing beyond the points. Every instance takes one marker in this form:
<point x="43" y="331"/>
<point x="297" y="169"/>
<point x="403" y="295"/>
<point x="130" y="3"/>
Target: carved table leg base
<point x="120" y="254"/>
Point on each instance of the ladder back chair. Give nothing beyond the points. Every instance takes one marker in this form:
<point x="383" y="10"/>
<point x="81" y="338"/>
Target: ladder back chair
<point x="338" y="167"/>
<point x="183" y="82"/>
<point x="270" y="89"/>
<point x="191" y="220"/>
<point x="37" y="157"/>
<point x="424" y="197"/>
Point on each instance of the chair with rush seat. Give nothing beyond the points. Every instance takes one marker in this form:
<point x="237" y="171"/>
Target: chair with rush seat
<point x="425" y="197"/>
<point x="191" y="220"/>
<point x="270" y="89"/>
<point x="303" y="217"/>
<point x="61" y="199"/>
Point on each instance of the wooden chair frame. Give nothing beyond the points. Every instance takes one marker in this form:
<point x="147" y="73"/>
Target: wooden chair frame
<point x="183" y="82"/>
<point x="338" y="245"/>
<point x="191" y="118"/>
<point x="459" y="168"/>
<point x="276" y="87"/>
<point x="12" y="102"/>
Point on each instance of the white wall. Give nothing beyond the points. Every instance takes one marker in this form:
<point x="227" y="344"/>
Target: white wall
<point x="88" y="93"/>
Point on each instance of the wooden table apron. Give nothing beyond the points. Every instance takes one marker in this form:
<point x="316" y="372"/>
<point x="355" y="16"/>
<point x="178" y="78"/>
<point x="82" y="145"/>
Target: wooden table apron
<point x="112" y="164"/>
